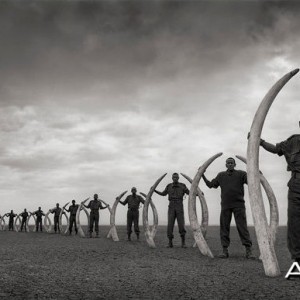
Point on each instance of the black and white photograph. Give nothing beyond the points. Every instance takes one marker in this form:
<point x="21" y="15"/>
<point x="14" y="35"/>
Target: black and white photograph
<point x="150" y="149"/>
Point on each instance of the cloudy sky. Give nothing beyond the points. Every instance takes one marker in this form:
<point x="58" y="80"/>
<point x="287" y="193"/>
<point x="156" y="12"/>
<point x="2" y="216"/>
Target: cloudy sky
<point x="97" y="97"/>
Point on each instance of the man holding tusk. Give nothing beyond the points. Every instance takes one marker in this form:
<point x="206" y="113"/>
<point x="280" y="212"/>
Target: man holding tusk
<point x="56" y="211"/>
<point x="72" y="210"/>
<point x="39" y="215"/>
<point x="175" y="191"/>
<point x="11" y="216"/>
<point x="290" y="148"/>
<point x="94" y="206"/>
<point x="232" y="183"/>
<point x="24" y="216"/>
<point x="133" y="202"/>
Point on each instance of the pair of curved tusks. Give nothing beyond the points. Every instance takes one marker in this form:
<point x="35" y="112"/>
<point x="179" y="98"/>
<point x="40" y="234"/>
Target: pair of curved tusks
<point x="81" y="207"/>
<point x="195" y="226"/>
<point x="274" y="214"/>
<point x="47" y="221"/>
<point x="60" y="220"/>
<point x="17" y="226"/>
<point x="153" y="229"/>
<point x="265" y="243"/>
<point x="204" y="208"/>
<point x="27" y="222"/>
<point x="2" y="223"/>
<point x="113" y="230"/>
<point x="149" y="233"/>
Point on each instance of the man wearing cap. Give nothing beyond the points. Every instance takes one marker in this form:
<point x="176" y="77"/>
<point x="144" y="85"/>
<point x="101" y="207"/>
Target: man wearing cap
<point x="72" y="219"/>
<point x="133" y="202"/>
<point x="290" y="148"/>
<point x="175" y="191"/>
<point x="94" y="206"/>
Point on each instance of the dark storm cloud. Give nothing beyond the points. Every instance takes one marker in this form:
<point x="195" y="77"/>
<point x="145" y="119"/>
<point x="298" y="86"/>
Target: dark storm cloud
<point x="78" y="52"/>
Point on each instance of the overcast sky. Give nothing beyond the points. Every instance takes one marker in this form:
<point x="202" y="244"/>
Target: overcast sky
<point x="97" y="97"/>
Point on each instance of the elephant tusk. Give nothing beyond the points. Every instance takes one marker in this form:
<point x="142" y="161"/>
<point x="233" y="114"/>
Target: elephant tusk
<point x="2" y="223"/>
<point x="265" y="243"/>
<point x="60" y="219"/>
<point x="204" y="208"/>
<point x="201" y="242"/>
<point x="27" y="222"/>
<point x="113" y="230"/>
<point x="16" y="226"/>
<point x="149" y="238"/>
<point x="47" y="221"/>
<point x="81" y="207"/>
<point x="274" y="214"/>
<point x="155" y="217"/>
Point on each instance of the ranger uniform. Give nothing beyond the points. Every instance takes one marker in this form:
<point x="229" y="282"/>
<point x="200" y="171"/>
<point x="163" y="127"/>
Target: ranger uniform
<point x="290" y="148"/>
<point x="94" y="206"/>
<point x="72" y="210"/>
<point x="24" y="216"/>
<point x="133" y="202"/>
<point x="11" y="216"/>
<point x="175" y="190"/>
<point x="56" y="211"/>
<point x="39" y="214"/>
<point x="232" y="183"/>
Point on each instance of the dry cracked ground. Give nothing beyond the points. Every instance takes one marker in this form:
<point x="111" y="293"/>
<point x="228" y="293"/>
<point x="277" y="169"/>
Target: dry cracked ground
<point x="49" y="266"/>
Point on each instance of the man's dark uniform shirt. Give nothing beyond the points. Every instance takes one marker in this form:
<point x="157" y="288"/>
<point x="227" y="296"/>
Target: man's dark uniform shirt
<point x="133" y="201"/>
<point x="290" y="148"/>
<point x="56" y="211"/>
<point x="39" y="214"/>
<point x="175" y="191"/>
<point x="73" y="209"/>
<point x="24" y="215"/>
<point x="232" y="188"/>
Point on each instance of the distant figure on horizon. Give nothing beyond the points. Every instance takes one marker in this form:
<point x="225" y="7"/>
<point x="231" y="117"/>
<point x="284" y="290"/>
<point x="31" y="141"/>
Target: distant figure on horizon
<point x="232" y="183"/>
<point x="56" y="211"/>
<point x="175" y="190"/>
<point x="72" y="219"/>
<point x="39" y="215"/>
<point x="24" y="216"/>
<point x="94" y="206"/>
<point x="11" y="216"/>
<point x="133" y="202"/>
<point x="290" y="148"/>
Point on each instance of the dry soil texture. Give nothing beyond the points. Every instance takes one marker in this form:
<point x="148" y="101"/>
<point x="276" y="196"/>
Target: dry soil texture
<point x="49" y="266"/>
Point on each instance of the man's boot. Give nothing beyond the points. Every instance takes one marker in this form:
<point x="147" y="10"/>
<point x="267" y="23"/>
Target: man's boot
<point x="183" y="242"/>
<point x="170" y="245"/>
<point x="129" y="238"/>
<point x="249" y="254"/>
<point x="224" y="253"/>
<point x="76" y="231"/>
<point x="138" y="236"/>
<point x="91" y="235"/>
